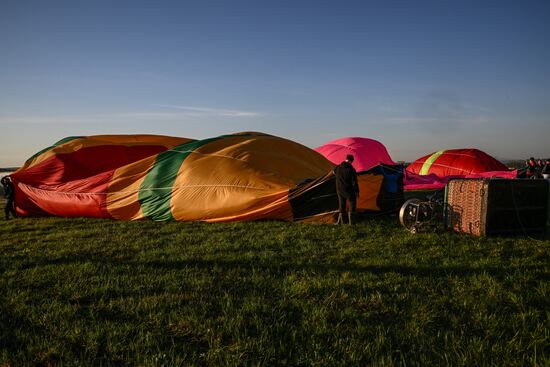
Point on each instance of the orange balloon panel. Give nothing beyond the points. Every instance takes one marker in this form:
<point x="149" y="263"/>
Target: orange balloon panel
<point x="122" y="196"/>
<point x="245" y="176"/>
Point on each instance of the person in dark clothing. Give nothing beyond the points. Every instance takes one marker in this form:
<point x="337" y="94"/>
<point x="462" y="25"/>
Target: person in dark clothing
<point x="546" y="169"/>
<point x="540" y="166"/>
<point x="531" y="168"/>
<point x="9" y="193"/>
<point x="347" y="189"/>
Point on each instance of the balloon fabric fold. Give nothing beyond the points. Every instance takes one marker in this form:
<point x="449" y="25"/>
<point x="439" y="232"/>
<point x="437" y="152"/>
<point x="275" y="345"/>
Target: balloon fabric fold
<point x="236" y="177"/>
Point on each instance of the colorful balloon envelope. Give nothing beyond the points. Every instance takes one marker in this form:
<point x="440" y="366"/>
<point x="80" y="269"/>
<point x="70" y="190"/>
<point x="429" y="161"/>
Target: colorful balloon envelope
<point x="456" y="162"/>
<point x="236" y="177"/>
<point x="367" y="153"/>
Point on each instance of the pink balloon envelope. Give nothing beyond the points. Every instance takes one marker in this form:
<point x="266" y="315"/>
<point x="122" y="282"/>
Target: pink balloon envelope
<point x="367" y="152"/>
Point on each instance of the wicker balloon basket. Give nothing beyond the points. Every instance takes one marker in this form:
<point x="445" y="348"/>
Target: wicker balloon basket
<point x="483" y="207"/>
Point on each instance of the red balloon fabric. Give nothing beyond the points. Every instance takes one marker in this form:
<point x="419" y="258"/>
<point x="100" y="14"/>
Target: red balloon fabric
<point x="456" y="162"/>
<point x="367" y="152"/>
<point x="412" y="182"/>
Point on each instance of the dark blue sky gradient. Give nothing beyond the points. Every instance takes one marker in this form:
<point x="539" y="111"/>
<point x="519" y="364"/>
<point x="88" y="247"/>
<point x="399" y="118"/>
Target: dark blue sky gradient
<point x="417" y="75"/>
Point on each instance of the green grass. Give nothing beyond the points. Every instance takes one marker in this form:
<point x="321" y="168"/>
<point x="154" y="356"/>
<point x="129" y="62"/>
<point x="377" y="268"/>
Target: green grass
<point x="103" y="292"/>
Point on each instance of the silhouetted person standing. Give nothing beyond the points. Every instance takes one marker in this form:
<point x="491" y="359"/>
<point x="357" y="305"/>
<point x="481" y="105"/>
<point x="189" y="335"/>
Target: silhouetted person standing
<point x="9" y="192"/>
<point x="347" y="189"/>
<point x="531" y="168"/>
<point x="546" y="169"/>
<point x="540" y="167"/>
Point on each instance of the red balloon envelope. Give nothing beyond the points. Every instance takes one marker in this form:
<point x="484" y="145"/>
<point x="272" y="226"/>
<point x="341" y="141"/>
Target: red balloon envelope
<point x="456" y="162"/>
<point x="367" y="152"/>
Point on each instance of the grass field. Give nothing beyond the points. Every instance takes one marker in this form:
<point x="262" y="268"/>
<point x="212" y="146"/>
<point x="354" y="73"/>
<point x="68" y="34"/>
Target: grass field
<point x="103" y="292"/>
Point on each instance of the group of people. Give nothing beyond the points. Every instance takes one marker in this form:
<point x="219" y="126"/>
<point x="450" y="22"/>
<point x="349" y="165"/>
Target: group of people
<point x="9" y="193"/>
<point x="537" y="168"/>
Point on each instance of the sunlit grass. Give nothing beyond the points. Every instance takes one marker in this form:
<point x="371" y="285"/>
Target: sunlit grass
<point x="102" y="292"/>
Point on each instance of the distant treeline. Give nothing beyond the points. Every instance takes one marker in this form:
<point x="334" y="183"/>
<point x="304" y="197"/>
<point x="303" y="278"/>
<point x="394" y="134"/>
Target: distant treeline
<point x="9" y="169"/>
<point x="515" y="163"/>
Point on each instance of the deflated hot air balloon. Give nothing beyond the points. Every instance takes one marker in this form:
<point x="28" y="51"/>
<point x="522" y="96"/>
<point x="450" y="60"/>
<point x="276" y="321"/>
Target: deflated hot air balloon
<point x="456" y="162"/>
<point x="368" y="153"/>
<point x="432" y="172"/>
<point x="237" y="177"/>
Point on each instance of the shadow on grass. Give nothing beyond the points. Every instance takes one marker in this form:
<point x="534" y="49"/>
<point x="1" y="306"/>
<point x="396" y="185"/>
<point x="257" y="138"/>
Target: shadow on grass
<point x="282" y="267"/>
<point x="418" y="271"/>
<point x="14" y="327"/>
<point x="11" y="325"/>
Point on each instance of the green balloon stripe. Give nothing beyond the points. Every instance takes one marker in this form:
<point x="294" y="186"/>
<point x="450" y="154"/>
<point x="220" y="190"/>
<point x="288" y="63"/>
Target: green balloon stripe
<point x="156" y="190"/>
<point x="428" y="163"/>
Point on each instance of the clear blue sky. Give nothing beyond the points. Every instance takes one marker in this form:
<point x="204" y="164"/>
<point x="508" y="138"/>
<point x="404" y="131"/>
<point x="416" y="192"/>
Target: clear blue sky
<point x="419" y="76"/>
